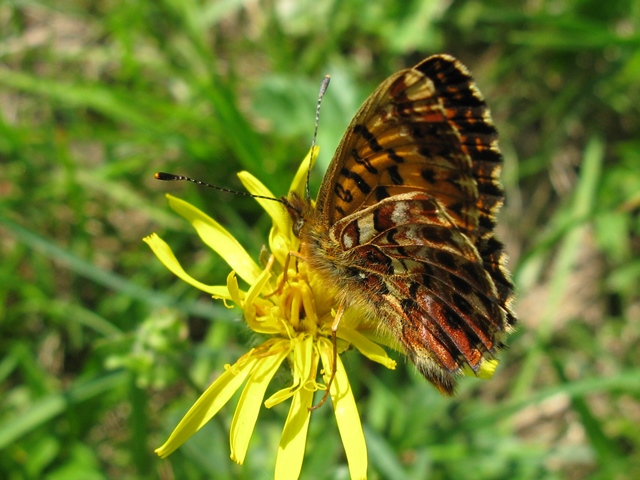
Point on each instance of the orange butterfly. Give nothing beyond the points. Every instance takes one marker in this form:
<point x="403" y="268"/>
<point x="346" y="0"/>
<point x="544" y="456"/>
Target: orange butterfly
<point x="403" y="225"/>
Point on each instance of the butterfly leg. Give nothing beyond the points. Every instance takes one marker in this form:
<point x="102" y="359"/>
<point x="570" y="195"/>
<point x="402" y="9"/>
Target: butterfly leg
<point x="334" y="362"/>
<point x="285" y="270"/>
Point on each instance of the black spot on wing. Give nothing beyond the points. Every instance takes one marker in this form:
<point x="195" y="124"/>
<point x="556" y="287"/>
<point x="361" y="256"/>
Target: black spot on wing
<point x="446" y="259"/>
<point x="395" y="176"/>
<point x="342" y="193"/>
<point x="368" y="136"/>
<point x="364" y="162"/>
<point x="362" y="185"/>
<point x="428" y="175"/>
<point x="394" y="156"/>
<point x="381" y="193"/>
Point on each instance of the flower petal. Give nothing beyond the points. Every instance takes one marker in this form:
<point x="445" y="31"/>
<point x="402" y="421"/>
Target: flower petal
<point x="369" y="349"/>
<point x="280" y="245"/>
<point x="346" y="412"/>
<point x="169" y="260"/>
<point x="256" y="288"/>
<point x="274" y="209"/>
<point x="487" y="369"/>
<point x="294" y="435"/>
<point x="281" y="395"/>
<point x="280" y="236"/>
<point x="234" y="291"/>
<point x="300" y="180"/>
<point x="302" y="361"/>
<point x="209" y="403"/>
<point x="218" y="239"/>
<point x="246" y="413"/>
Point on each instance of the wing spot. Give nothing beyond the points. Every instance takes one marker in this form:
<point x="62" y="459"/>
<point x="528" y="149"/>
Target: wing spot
<point x="368" y="136"/>
<point x="446" y="259"/>
<point x="460" y="284"/>
<point x="343" y="194"/>
<point x="381" y="193"/>
<point x="394" y="156"/>
<point x="364" y="162"/>
<point x="362" y="185"/>
<point x="395" y="176"/>
<point x="462" y="304"/>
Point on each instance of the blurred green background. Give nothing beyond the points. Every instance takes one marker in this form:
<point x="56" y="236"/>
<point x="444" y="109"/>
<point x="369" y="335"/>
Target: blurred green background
<point x="103" y="350"/>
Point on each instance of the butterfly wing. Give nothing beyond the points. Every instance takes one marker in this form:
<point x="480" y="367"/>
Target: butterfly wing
<point x="406" y="137"/>
<point x="403" y="223"/>
<point x="425" y="129"/>
<point x="426" y="282"/>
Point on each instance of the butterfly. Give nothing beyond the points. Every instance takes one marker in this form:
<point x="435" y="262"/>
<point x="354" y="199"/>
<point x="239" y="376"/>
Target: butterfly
<point x="403" y="225"/>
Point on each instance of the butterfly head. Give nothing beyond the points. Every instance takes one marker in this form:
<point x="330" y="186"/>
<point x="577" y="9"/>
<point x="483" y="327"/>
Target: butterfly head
<point x="299" y="210"/>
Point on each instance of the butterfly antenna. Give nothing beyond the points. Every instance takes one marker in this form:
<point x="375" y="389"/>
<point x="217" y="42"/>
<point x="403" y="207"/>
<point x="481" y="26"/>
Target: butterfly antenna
<point x="323" y="89"/>
<point x="171" y="177"/>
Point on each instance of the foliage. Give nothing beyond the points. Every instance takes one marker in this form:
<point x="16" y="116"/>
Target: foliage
<point x="103" y="350"/>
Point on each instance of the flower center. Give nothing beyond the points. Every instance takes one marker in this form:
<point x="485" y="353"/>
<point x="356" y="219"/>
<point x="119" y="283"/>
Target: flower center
<point x="298" y="306"/>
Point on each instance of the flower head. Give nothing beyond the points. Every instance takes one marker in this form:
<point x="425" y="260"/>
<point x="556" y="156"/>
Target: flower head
<point x="286" y="303"/>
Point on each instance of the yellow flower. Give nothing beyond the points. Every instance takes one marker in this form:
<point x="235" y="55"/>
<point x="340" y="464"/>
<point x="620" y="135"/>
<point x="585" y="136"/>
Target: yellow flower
<point x="296" y="313"/>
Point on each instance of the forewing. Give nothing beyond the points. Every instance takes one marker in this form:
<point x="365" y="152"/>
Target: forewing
<point x="418" y="132"/>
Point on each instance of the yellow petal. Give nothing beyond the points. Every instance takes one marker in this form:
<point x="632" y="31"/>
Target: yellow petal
<point x="487" y="369"/>
<point x="302" y="360"/>
<point x="369" y="349"/>
<point x="209" y="403"/>
<point x="274" y="209"/>
<point x="259" y="284"/>
<point x="169" y="260"/>
<point x="309" y="302"/>
<point x="234" y="291"/>
<point x="346" y="412"/>
<point x="246" y="413"/>
<point x="281" y="395"/>
<point x="280" y="236"/>
<point x="280" y="245"/>
<point x="218" y="239"/>
<point x="294" y="434"/>
<point x="253" y="303"/>
<point x="300" y="180"/>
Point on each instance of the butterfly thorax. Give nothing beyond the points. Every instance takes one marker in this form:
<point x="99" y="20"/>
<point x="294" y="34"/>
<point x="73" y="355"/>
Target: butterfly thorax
<point x="318" y="251"/>
<point x="337" y="268"/>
